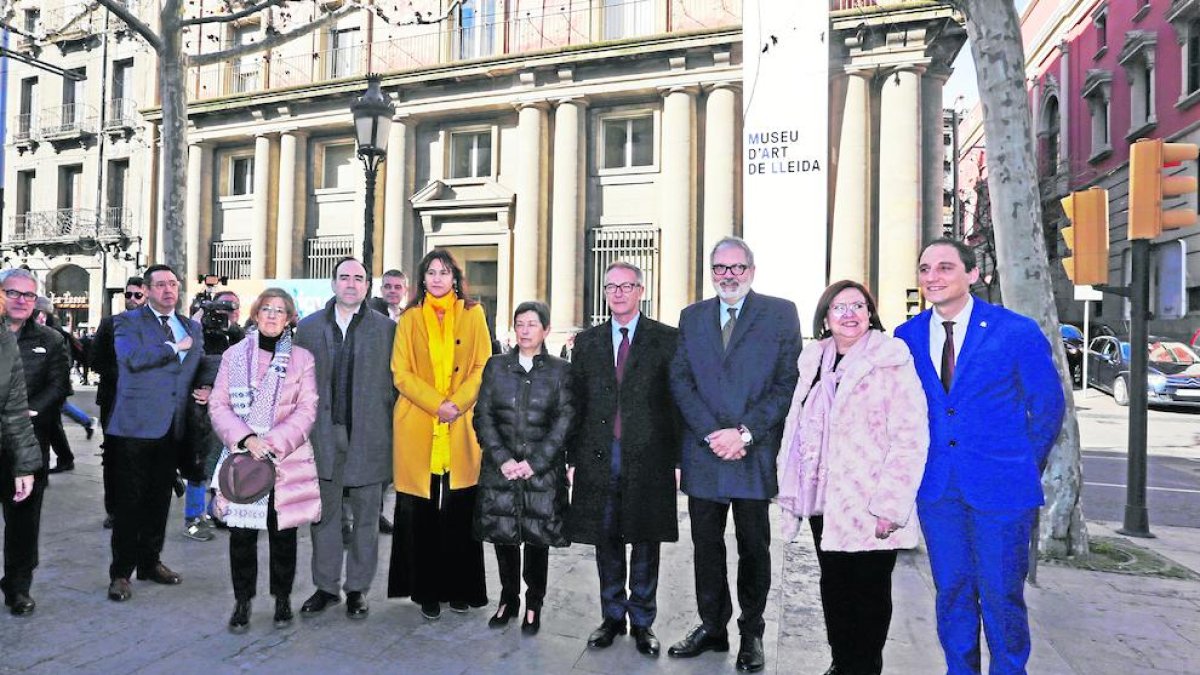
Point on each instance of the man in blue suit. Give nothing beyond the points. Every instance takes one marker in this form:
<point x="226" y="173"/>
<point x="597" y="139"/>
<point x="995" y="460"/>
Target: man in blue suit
<point x="733" y="376"/>
<point x="995" y="408"/>
<point x="158" y="351"/>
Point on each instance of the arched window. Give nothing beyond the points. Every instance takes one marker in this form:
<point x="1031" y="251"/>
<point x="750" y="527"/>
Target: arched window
<point x="1051" y="124"/>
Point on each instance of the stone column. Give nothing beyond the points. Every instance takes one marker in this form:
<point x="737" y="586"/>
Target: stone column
<point x="527" y="230"/>
<point x="292" y="174"/>
<point x="850" y="246"/>
<point x="899" y="192"/>
<point x="566" y="220"/>
<point x="720" y="165"/>
<point x="194" y="204"/>
<point x="933" y="153"/>
<point x="396" y="208"/>
<point x="261" y="211"/>
<point x="677" y="199"/>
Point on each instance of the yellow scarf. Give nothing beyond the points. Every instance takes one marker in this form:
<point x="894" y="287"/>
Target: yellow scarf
<point x="441" y="354"/>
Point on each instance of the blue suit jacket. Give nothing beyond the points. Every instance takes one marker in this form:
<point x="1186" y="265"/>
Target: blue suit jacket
<point x="751" y="384"/>
<point x="990" y="434"/>
<point x="153" y="386"/>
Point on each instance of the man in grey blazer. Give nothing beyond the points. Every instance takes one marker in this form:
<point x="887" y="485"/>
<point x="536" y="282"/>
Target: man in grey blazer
<point x="352" y="437"/>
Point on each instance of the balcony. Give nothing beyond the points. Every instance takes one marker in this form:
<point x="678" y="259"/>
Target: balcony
<point x="231" y="259"/>
<point x="117" y="225"/>
<point x="121" y="115"/>
<point x="65" y="122"/>
<point x="72" y="21"/>
<point x="60" y="226"/>
<point x="322" y="253"/>
<point x="24" y="132"/>
<point x="527" y="32"/>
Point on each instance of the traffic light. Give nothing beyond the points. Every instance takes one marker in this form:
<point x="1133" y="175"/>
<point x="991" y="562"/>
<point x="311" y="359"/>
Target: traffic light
<point x="1087" y="237"/>
<point x="1148" y="187"/>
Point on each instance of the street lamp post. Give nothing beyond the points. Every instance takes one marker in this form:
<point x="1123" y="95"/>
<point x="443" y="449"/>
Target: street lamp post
<point x="372" y="121"/>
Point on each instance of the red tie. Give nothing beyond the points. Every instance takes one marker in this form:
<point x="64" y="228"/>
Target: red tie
<point x="948" y="356"/>
<point x="622" y="356"/>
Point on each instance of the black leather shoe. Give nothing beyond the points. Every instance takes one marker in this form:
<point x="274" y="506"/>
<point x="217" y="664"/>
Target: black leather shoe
<point x="750" y="658"/>
<point x="239" y="621"/>
<point x="531" y="627"/>
<point x="460" y="606"/>
<point x="317" y="602"/>
<point x="356" y="605"/>
<point x="283" y="611"/>
<point x="20" y="604"/>
<point x="159" y="574"/>
<point x="431" y="610"/>
<point x="698" y="641"/>
<point x="646" y="640"/>
<point x="506" y="611"/>
<point x="604" y="635"/>
<point x="385" y="525"/>
<point x="119" y="590"/>
<point x="108" y="522"/>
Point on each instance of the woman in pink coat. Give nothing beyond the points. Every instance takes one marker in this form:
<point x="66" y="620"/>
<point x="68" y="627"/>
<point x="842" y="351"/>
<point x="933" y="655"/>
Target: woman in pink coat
<point x="264" y="402"/>
<point x="852" y="458"/>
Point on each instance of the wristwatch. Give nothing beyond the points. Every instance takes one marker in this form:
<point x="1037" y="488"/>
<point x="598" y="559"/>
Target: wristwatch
<point x="747" y="437"/>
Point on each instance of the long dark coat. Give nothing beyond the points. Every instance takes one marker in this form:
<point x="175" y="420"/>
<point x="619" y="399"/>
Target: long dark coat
<point x="524" y="416"/>
<point x="650" y="430"/>
<point x="20" y="454"/>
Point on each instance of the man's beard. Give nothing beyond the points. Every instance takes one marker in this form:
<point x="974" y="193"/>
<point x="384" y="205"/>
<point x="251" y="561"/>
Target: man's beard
<point x="742" y="291"/>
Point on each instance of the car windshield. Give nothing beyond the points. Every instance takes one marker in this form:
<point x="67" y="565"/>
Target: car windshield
<point x="1172" y="352"/>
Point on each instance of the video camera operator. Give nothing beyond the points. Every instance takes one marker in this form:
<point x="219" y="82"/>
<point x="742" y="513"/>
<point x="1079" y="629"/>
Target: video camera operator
<point x="218" y="314"/>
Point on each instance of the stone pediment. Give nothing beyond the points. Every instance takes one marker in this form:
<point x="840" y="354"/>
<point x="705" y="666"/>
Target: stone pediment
<point x="460" y="201"/>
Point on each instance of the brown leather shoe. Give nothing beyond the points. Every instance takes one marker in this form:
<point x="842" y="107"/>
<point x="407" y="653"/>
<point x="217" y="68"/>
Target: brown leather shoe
<point x="119" y="590"/>
<point x="160" y="574"/>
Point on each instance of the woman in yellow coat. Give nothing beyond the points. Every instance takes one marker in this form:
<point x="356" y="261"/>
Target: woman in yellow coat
<point x="442" y="343"/>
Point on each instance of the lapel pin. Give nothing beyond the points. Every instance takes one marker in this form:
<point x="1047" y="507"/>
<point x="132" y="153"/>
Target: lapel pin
<point x="983" y="324"/>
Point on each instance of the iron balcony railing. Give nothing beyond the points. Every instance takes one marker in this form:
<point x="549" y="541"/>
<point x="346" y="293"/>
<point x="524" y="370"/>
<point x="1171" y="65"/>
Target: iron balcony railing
<point x="60" y="226"/>
<point x="64" y="121"/>
<point x="121" y="114"/>
<point x="117" y="224"/>
<point x="487" y="36"/>
<point x="231" y="259"/>
<point x="322" y="253"/>
<point x="25" y="128"/>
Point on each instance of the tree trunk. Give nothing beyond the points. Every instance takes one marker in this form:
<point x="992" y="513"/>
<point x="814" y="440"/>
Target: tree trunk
<point x="1016" y="212"/>
<point x="171" y="66"/>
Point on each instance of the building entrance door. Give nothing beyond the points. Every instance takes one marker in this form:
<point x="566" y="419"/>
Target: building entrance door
<point x="481" y="268"/>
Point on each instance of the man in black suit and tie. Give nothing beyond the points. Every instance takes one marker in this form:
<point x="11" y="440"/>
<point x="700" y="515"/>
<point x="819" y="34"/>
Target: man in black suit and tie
<point x="733" y="377"/>
<point x="624" y="456"/>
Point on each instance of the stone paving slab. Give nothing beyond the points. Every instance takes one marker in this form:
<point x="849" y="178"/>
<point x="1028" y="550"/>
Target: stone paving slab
<point x="1084" y="622"/>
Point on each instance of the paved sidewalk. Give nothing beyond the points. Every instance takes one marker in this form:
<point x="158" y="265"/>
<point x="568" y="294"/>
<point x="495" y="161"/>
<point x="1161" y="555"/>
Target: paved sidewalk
<point x="1083" y="622"/>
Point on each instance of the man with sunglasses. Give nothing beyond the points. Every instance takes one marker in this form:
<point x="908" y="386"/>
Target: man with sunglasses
<point x="733" y="377"/>
<point x="103" y="358"/>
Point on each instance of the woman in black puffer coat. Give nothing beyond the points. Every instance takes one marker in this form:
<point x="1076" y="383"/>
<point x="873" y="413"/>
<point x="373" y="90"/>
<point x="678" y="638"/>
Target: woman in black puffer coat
<point x="522" y="419"/>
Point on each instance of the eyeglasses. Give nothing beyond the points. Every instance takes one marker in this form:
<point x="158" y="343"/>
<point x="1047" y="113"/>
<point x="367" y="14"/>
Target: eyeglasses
<point x="272" y="311"/>
<point x="134" y="295"/>
<point x="625" y="288"/>
<point x="27" y="296"/>
<point x="844" y="308"/>
<point x="738" y="269"/>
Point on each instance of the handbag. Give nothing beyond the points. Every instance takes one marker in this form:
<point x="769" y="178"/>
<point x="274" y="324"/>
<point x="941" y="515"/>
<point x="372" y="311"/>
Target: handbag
<point x="244" y="479"/>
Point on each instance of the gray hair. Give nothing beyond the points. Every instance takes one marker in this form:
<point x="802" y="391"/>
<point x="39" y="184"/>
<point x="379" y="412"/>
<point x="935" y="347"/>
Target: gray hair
<point x="18" y="273"/>
<point x="622" y="265"/>
<point x="732" y="242"/>
<point x="44" y="304"/>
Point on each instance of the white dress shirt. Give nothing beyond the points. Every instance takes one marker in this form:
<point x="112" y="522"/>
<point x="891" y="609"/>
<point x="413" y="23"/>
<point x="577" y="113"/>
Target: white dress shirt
<point x="937" y="333"/>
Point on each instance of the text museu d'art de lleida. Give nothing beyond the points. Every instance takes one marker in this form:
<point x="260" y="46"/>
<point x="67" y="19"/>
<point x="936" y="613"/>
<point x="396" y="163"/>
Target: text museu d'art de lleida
<point x="775" y="152"/>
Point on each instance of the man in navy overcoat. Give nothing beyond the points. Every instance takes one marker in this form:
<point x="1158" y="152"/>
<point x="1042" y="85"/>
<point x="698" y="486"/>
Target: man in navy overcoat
<point x="732" y="377"/>
<point x="158" y="351"/>
<point x="995" y="408"/>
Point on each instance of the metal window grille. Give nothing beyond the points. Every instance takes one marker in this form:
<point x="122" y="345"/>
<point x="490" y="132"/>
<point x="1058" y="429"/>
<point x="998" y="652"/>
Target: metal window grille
<point x="637" y="244"/>
<point x="231" y="259"/>
<point x="322" y="253"/>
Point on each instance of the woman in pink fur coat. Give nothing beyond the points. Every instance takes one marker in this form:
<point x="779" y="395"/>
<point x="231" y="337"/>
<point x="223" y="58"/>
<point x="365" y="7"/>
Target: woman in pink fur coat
<point x="853" y="455"/>
<point x="264" y="402"/>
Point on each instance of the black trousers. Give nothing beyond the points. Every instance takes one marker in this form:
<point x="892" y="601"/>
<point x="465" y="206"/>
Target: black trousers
<point x="537" y="567"/>
<point x="22" y="524"/>
<point x="856" y="596"/>
<point x="752" y="525"/>
<point x="243" y="557"/>
<point x="105" y="461"/>
<point x="435" y="556"/>
<point x="638" y="602"/>
<point x="143" y="475"/>
<point x="56" y="437"/>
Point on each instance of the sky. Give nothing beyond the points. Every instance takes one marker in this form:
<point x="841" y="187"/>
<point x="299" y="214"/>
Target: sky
<point x="962" y="82"/>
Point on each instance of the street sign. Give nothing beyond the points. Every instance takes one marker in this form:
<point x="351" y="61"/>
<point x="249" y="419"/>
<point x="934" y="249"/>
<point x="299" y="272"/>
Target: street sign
<point x="1083" y="293"/>
<point x="1171" y="299"/>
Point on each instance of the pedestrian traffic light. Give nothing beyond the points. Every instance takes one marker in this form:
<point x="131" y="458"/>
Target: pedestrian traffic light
<point x="1148" y="187"/>
<point x="1087" y="237"/>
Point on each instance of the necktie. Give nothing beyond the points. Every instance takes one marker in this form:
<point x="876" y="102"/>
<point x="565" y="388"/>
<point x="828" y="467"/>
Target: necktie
<point x="622" y="356"/>
<point x="948" y="356"/>
<point x="167" y="328"/>
<point x="727" y="329"/>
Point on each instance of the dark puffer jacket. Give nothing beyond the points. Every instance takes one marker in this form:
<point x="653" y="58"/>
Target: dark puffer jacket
<point x="19" y="451"/>
<point x="523" y="416"/>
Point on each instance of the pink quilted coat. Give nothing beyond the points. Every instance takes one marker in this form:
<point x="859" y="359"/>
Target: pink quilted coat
<point x="297" y="496"/>
<point x="877" y="445"/>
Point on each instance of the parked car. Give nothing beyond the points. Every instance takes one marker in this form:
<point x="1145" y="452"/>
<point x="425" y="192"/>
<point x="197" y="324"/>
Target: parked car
<point x="1072" y="339"/>
<point x="1172" y="375"/>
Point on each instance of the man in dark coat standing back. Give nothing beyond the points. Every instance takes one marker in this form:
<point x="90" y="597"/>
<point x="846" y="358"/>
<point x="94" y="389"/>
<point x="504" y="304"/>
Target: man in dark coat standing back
<point x="733" y="377"/>
<point x="624" y="455"/>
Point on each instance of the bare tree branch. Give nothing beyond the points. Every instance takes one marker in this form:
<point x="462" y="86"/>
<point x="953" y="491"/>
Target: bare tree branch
<point x="273" y="41"/>
<point x="135" y="24"/>
<point x="223" y="18"/>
